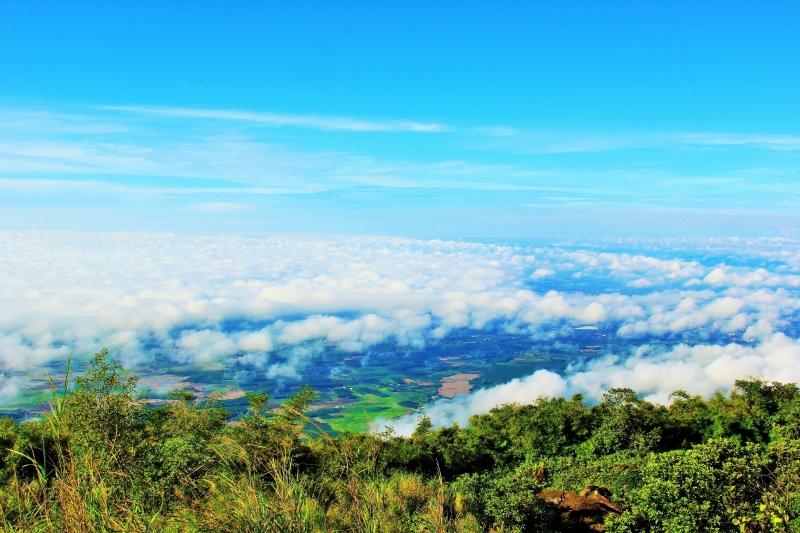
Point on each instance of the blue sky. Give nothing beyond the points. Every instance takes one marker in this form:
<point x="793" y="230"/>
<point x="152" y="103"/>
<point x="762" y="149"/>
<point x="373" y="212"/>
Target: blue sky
<point x="457" y="120"/>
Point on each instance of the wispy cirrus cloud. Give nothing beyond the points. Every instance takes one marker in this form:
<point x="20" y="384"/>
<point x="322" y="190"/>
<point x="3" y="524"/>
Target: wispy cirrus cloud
<point x="768" y="142"/>
<point x="218" y="207"/>
<point x="316" y="122"/>
<point x="542" y="178"/>
<point x="533" y="141"/>
<point x="33" y="185"/>
<point x="538" y="141"/>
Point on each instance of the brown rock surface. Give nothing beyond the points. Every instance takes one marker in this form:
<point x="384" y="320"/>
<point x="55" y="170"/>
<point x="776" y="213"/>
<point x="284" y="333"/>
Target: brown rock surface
<point x="587" y="508"/>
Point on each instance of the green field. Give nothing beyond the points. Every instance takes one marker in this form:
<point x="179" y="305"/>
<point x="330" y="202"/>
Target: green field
<point x="368" y="405"/>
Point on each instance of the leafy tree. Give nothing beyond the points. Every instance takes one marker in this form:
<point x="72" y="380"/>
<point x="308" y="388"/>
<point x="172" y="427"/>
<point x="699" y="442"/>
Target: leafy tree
<point x="104" y="412"/>
<point x="626" y="422"/>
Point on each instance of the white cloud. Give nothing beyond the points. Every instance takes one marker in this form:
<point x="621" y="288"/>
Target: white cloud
<point x="218" y="207"/>
<point x="274" y="303"/>
<point x="743" y="277"/>
<point x="257" y="341"/>
<point x="540" y="273"/>
<point x="701" y="369"/>
<point x="541" y="383"/>
<point x="769" y="142"/>
<point x="559" y="142"/>
<point x="317" y="122"/>
<point x="205" y="346"/>
<point x="9" y="387"/>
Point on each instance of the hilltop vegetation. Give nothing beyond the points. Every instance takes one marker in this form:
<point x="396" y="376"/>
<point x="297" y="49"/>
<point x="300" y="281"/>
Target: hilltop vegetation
<point x="102" y="459"/>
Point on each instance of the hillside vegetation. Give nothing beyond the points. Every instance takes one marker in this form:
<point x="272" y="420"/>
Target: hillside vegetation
<point x="102" y="459"/>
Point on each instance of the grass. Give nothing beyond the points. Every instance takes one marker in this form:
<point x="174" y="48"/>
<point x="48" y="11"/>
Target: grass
<point x="101" y="460"/>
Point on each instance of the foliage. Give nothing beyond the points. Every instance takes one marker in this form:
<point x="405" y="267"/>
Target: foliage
<point x="102" y="459"/>
<point x="699" y="489"/>
<point x="507" y="499"/>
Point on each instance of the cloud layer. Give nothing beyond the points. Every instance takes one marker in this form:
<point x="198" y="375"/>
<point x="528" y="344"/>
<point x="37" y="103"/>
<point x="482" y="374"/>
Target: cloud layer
<point x="273" y="304"/>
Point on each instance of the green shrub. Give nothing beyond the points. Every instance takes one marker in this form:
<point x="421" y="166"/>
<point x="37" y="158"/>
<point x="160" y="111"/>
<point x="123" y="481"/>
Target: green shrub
<point x="700" y="489"/>
<point x="503" y="499"/>
<point x="103" y="460"/>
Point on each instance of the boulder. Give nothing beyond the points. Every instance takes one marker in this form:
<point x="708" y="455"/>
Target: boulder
<point x="585" y="510"/>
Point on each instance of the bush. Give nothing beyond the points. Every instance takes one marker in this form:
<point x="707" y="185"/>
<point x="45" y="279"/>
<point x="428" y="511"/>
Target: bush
<point x="103" y="460"/>
<point x="700" y="489"/>
<point x="503" y="499"/>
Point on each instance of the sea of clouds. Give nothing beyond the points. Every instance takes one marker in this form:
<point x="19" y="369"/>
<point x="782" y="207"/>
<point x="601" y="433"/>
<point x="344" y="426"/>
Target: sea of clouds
<point x="273" y="304"/>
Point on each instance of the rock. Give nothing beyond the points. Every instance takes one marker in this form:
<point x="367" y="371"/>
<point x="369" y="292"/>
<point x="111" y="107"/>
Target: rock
<point x="586" y="509"/>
